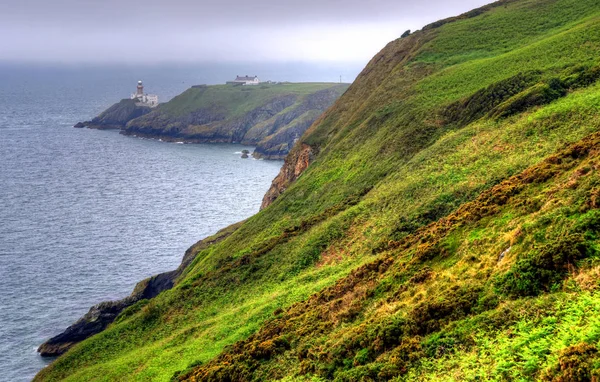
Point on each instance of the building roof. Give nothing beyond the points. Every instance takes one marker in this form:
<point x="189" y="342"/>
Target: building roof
<point x="245" y="78"/>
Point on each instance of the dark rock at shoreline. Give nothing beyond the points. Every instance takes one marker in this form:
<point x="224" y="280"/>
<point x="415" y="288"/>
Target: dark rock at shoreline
<point x="103" y="314"/>
<point x="81" y="125"/>
<point x="94" y="321"/>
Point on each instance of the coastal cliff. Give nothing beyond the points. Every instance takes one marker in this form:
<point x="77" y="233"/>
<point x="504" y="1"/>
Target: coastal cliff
<point x="440" y="221"/>
<point x="270" y="117"/>
<point x="294" y="165"/>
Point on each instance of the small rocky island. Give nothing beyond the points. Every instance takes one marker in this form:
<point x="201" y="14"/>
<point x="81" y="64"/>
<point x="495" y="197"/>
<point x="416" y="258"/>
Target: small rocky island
<point x="269" y="116"/>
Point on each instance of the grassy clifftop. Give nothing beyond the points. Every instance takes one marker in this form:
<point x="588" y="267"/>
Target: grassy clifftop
<point x="270" y="116"/>
<point x="439" y="222"/>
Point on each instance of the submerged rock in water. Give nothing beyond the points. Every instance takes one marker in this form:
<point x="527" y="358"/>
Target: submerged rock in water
<point x="245" y="153"/>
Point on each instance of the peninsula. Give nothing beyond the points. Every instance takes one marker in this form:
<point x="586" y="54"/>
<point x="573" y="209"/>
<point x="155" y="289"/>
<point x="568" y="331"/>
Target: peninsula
<point x="269" y="116"/>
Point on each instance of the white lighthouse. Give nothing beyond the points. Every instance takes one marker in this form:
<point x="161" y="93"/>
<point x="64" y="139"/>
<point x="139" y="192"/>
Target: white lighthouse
<point x="150" y="100"/>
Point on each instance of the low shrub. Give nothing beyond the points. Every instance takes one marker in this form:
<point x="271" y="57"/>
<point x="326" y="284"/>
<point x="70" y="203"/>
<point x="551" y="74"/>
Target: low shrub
<point x="541" y="270"/>
<point x="577" y="363"/>
<point x="537" y="95"/>
<point x="483" y="101"/>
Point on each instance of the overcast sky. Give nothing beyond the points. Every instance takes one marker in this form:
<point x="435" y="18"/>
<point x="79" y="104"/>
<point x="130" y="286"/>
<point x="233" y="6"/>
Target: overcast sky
<point x="153" y="31"/>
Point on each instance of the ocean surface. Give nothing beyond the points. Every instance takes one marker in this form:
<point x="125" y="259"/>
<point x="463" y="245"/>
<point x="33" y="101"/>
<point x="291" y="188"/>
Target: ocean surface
<point x="86" y="214"/>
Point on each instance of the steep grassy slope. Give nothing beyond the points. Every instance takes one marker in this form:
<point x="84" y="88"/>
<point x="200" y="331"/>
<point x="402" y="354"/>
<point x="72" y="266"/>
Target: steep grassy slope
<point x="270" y="116"/>
<point x="439" y="222"/>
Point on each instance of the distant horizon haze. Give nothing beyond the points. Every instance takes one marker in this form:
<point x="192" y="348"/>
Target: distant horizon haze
<point x="184" y="75"/>
<point x="185" y="31"/>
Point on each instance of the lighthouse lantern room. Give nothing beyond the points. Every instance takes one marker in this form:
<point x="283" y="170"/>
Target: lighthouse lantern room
<point x="150" y="100"/>
<point x="140" y="88"/>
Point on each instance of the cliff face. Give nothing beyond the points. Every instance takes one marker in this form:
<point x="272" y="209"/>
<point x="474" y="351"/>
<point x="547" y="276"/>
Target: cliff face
<point x="351" y="105"/>
<point x="439" y="222"/>
<point x="207" y="124"/>
<point x="275" y="137"/>
<point x="270" y="117"/>
<point x="294" y="165"/>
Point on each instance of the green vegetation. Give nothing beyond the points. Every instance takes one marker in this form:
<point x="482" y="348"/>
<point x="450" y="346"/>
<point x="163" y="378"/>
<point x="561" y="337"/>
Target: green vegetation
<point x="447" y="228"/>
<point x="236" y="100"/>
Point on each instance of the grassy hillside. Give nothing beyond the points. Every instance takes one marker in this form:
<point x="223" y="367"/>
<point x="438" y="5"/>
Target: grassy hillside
<point x="447" y="227"/>
<point x="245" y="98"/>
<point x="270" y="116"/>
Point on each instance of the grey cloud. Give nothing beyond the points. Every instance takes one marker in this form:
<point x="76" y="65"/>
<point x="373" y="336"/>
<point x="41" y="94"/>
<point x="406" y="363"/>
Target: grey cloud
<point x="226" y="11"/>
<point x="162" y="30"/>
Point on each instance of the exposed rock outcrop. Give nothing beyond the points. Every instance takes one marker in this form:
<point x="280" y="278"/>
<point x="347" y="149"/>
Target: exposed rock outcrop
<point x="287" y="128"/>
<point x="101" y="315"/>
<point x="206" y="124"/>
<point x="295" y="163"/>
<point x="81" y="125"/>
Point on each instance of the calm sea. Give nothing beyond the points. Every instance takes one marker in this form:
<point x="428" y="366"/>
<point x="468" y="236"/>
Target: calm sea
<point x="85" y="214"/>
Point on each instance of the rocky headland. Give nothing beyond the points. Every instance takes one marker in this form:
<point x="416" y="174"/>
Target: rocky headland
<point x="271" y="117"/>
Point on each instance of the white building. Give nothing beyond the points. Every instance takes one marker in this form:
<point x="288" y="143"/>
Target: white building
<point x="245" y="80"/>
<point x="144" y="99"/>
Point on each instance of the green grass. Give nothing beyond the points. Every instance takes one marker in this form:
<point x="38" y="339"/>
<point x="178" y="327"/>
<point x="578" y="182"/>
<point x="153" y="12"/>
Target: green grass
<point x="382" y="259"/>
<point x="234" y="101"/>
<point x="503" y="30"/>
<point x="527" y="347"/>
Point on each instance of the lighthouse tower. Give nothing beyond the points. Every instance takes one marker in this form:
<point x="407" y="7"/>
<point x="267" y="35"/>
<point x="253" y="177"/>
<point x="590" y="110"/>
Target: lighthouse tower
<point x="140" y="89"/>
<point x="150" y="100"/>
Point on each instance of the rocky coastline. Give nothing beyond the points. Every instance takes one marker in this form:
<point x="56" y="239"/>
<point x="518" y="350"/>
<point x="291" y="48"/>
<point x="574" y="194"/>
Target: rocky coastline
<point x="103" y="314"/>
<point x="273" y="123"/>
